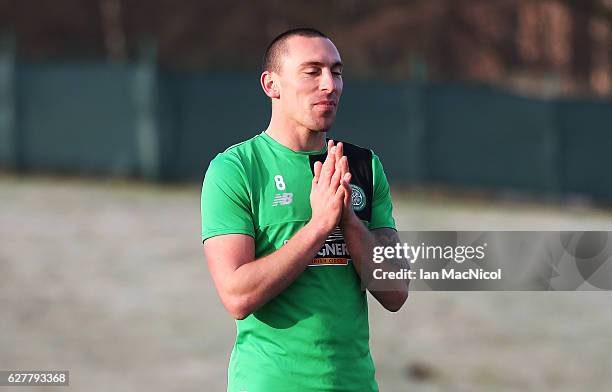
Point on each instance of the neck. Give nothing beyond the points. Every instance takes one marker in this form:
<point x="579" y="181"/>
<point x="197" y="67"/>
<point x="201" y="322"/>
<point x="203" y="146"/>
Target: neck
<point x="295" y="136"/>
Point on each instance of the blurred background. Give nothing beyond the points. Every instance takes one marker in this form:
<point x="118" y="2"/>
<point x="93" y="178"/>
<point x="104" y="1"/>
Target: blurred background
<point x="487" y="115"/>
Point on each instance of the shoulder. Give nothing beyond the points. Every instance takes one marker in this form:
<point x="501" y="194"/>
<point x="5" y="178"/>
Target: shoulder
<point x="236" y="156"/>
<point x="245" y="146"/>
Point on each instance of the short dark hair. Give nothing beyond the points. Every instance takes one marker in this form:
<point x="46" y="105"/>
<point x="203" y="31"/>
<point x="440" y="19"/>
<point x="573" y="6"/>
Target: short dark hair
<point x="277" y="48"/>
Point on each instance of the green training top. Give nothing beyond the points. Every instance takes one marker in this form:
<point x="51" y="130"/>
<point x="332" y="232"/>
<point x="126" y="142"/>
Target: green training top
<point x="313" y="336"/>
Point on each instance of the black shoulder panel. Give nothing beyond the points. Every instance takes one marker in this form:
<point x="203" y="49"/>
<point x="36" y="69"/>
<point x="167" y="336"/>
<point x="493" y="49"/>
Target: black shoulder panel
<point x="360" y="166"/>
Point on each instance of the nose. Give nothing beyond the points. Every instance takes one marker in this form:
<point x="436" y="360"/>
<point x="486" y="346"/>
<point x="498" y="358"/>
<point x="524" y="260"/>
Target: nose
<point x="327" y="81"/>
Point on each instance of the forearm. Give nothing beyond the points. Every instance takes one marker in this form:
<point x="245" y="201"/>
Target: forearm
<point x="255" y="283"/>
<point x="361" y="242"/>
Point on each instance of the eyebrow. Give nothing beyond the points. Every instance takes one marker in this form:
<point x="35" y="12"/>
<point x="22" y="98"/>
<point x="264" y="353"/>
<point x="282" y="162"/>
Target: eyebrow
<point x="320" y="64"/>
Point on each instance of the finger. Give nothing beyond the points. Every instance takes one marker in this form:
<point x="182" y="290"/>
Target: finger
<point x="341" y="194"/>
<point x="330" y="144"/>
<point x="336" y="177"/>
<point x="339" y="154"/>
<point x="342" y="165"/>
<point x="347" y="180"/>
<point x="317" y="172"/>
<point x="329" y="165"/>
<point x="346" y="185"/>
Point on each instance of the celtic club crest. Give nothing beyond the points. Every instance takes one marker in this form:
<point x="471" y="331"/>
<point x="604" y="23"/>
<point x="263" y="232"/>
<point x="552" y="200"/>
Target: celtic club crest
<point x="358" y="199"/>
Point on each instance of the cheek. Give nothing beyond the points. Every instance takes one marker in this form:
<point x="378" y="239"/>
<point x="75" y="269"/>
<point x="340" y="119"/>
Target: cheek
<point x="299" y="94"/>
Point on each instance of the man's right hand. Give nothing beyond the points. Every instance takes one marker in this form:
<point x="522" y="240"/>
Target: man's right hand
<point x="326" y="195"/>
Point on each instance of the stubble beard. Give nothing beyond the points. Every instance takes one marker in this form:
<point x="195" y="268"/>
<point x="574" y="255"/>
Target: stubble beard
<point x="323" y="124"/>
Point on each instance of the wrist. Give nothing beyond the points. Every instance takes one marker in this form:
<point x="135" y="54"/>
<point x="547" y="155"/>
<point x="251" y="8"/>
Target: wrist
<point x="318" y="230"/>
<point x="349" y="218"/>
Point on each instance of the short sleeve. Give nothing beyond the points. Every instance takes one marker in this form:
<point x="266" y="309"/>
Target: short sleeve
<point x="382" y="207"/>
<point x="225" y="201"/>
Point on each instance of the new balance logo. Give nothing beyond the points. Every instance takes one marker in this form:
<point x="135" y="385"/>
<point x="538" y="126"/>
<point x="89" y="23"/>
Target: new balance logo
<point x="282" y="199"/>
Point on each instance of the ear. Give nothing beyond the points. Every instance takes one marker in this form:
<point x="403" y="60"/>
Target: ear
<point x="269" y="84"/>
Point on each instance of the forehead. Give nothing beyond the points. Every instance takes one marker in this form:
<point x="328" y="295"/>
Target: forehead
<point x="300" y="50"/>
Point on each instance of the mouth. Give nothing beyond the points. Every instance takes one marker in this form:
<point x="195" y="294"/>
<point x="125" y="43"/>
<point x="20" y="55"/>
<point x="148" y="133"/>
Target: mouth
<point x="326" y="105"/>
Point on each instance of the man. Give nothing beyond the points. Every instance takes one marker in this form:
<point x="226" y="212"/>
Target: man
<point x="288" y="224"/>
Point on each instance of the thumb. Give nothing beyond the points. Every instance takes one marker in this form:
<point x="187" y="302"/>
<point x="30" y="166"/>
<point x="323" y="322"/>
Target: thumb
<point x="345" y="185"/>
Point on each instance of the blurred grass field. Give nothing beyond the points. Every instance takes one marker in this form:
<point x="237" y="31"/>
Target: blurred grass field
<point x="107" y="279"/>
